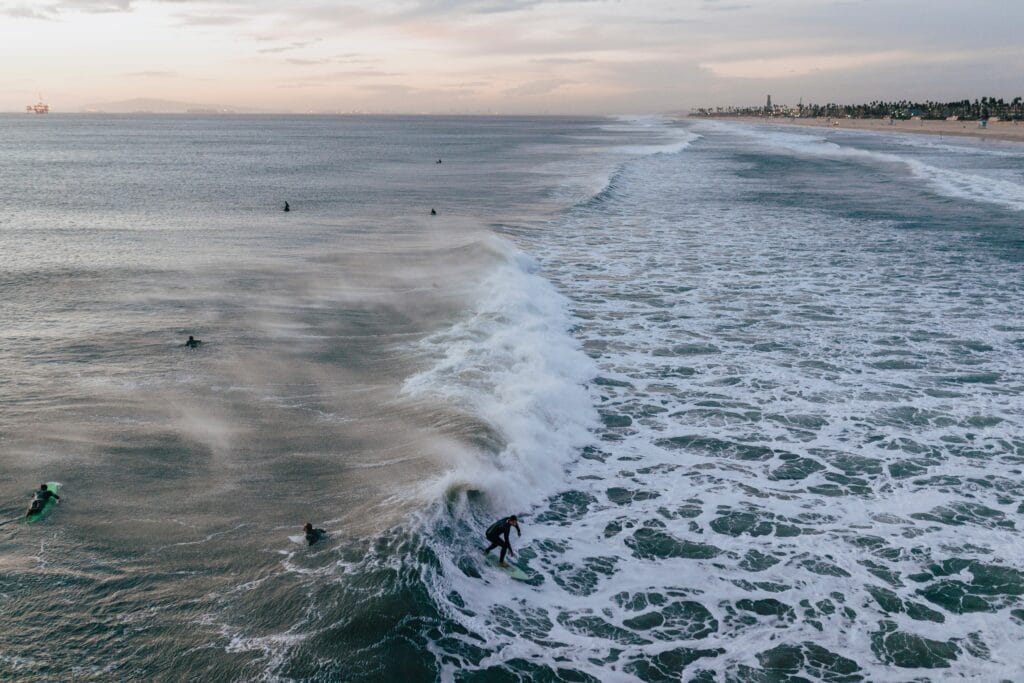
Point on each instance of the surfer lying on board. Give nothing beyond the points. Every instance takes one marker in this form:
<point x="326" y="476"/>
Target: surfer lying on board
<point x="497" y="534"/>
<point x="42" y="495"/>
<point x="313" y="535"/>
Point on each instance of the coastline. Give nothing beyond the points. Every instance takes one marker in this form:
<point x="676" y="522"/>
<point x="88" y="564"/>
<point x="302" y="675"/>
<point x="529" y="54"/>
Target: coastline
<point x="1008" y="131"/>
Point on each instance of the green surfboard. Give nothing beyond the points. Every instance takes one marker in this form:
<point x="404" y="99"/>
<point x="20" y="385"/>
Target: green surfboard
<point x="52" y="486"/>
<point x="512" y="570"/>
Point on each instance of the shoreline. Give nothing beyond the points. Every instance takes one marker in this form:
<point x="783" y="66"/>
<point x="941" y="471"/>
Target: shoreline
<point x="1008" y="131"/>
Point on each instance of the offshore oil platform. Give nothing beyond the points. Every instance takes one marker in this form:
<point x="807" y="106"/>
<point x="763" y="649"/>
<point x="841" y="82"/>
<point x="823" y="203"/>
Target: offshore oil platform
<point x="39" y="107"/>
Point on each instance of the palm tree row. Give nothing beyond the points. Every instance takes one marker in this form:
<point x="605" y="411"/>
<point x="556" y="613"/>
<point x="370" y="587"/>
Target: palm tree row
<point x="986" y="107"/>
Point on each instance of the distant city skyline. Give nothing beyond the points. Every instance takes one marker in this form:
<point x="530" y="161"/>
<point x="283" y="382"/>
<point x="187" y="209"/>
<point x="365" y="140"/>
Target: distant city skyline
<point x="505" y="56"/>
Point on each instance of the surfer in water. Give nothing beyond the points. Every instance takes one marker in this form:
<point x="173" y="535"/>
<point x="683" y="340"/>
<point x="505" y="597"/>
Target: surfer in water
<point x="433" y="212"/>
<point x="498" y="533"/>
<point x="286" y="207"/>
<point x="193" y="343"/>
<point x="313" y="535"/>
<point x="42" y="495"/>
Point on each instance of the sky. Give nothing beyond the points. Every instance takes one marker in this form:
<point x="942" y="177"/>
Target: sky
<point x="506" y="56"/>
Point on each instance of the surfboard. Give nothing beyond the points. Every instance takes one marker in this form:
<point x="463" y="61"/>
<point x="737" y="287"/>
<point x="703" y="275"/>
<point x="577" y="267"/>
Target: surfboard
<point x="52" y="486"/>
<point x="512" y="570"/>
<point x="301" y="539"/>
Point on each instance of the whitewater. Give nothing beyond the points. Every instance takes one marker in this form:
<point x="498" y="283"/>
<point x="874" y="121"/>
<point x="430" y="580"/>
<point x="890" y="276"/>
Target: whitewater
<point x="808" y="456"/>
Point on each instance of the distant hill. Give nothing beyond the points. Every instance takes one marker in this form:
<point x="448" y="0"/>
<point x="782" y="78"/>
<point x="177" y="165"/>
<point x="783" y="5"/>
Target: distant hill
<point x="151" y="105"/>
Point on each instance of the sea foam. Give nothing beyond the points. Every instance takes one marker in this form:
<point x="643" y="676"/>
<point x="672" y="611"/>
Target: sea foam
<point x="802" y="466"/>
<point x="944" y="181"/>
<point x="513" y="363"/>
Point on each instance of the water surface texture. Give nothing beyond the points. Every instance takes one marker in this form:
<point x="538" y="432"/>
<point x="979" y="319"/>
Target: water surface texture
<point x="756" y="394"/>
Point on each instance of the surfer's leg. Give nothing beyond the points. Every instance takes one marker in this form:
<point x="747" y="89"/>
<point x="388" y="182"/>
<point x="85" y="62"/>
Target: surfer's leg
<point x="495" y="543"/>
<point x="504" y="549"/>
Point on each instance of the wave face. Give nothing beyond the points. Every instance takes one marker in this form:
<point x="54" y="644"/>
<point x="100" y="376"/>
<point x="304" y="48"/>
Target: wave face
<point x="513" y="365"/>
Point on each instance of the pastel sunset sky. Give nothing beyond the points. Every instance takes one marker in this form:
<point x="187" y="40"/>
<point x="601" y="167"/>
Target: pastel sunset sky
<point x="505" y="56"/>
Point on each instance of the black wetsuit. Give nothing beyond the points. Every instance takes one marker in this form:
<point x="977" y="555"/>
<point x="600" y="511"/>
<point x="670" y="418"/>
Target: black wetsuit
<point x="497" y="534"/>
<point x="193" y="343"/>
<point x="40" y="500"/>
<point x="315" y="535"/>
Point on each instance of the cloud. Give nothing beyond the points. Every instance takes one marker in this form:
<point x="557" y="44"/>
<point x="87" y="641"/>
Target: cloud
<point x="210" y="19"/>
<point x="348" y="58"/>
<point x="22" y="11"/>
<point x="806" y="64"/>
<point x="408" y="91"/>
<point x="534" y="88"/>
<point x="306" y="62"/>
<point x="388" y="88"/>
<point x="52" y="10"/>
<point x="355" y="58"/>
<point x="641" y="55"/>
<point x="361" y="73"/>
<point x="447" y="7"/>
<point x="151" y="74"/>
<point x="799" y="65"/>
<point x="301" y="85"/>
<point x="557" y="61"/>
<point x="294" y="45"/>
<point x="715" y="6"/>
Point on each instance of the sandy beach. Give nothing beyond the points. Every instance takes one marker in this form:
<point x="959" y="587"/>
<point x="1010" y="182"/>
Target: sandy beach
<point x="996" y="130"/>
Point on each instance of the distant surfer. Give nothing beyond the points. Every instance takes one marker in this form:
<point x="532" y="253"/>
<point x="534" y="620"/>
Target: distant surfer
<point x="39" y="501"/>
<point x="498" y="533"/>
<point x="433" y="212"/>
<point x="193" y="343"/>
<point x="286" y="207"/>
<point x="313" y="535"/>
<point x="438" y="161"/>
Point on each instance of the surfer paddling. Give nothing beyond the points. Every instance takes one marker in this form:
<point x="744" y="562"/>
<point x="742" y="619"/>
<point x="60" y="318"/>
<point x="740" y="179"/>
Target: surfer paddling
<point x="498" y="533"/>
<point x="193" y="343"/>
<point x="313" y="535"/>
<point x="39" y="501"/>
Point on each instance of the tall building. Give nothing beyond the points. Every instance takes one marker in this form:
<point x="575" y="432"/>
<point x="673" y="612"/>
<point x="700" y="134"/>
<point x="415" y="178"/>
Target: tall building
<point x="768" y="107"/>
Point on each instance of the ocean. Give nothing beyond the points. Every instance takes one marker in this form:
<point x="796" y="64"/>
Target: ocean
<point x="754" y="392"/>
